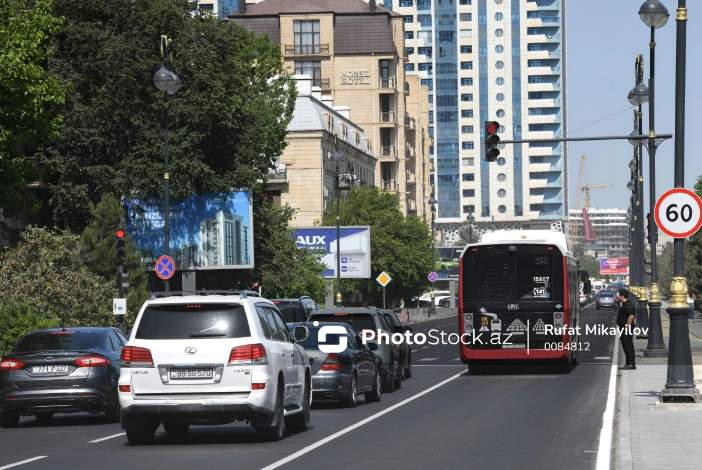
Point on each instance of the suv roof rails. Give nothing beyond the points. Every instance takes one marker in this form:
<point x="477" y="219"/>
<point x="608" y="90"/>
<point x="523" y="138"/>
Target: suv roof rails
<point x="305" y="297"/>
<point x="242" y="293"/>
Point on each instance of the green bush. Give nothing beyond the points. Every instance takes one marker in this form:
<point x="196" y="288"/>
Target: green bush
<point x="15" y="320"/>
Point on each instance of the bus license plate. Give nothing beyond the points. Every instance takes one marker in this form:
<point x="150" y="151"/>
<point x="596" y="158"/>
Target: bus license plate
<point x="191" y="373"/>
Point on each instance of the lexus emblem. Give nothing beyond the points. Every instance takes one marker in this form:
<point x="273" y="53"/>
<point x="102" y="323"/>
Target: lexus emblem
<point x="190" y="350"/>
<point x="49" y="358"/>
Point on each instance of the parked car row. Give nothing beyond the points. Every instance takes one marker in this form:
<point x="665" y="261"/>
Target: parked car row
<point x="206" y="358"/>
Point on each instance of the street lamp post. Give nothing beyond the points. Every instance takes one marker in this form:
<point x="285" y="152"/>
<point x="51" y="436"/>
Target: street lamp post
<point x="169" y="83"/>
<point x="633" y="226"/>
<point x="680" y="384"/>
<point x="432" y="202"/>
<point x="337" y="158"/>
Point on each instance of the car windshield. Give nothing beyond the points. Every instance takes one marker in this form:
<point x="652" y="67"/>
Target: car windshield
<point x="59" y="341"/>
<point x="193" y="321"/>
<point x="358" y="322"/>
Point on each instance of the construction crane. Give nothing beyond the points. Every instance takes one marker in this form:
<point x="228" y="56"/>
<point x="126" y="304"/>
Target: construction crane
<point x="586" y="189"/>
<point x="581" y="176"/>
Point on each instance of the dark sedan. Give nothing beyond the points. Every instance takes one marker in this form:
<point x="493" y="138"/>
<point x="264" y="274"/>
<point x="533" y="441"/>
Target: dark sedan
<point x="61" y="371"/>
<point x="343" y="374"/>
<point x="605" y="299"/>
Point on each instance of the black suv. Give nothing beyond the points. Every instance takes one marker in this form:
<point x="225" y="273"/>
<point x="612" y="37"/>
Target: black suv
<point x="405" y="348"/>
<point x="296" y="310"/>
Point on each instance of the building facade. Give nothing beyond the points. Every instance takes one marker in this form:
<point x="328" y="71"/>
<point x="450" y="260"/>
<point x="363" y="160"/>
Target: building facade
<point x="492" y="60"/>
<point x="354" y="52"/>
<point x="611" y="228"/>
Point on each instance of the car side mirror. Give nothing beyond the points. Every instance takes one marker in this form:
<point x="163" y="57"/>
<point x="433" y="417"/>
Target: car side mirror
<point x="372" y="346"/>
<point x="300" y="333"/>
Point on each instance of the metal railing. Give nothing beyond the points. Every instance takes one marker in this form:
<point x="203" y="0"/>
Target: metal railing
<point x="277" y="174"/>
<point x="322" y="83"/>
<point x="387" y="151"/>
<point x="307" y="49"/>
<point x="410" y="151"/>
<point x="386" y="82"/>
<point x="409" y="121"/>
<point x="389" y="185"/>
<point x="387" y="117"/>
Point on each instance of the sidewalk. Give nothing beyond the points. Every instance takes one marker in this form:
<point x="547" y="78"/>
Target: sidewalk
<point x="651" y="438"/>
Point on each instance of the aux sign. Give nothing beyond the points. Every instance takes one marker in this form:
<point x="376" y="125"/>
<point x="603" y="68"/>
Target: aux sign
<point x="354" y="246"/>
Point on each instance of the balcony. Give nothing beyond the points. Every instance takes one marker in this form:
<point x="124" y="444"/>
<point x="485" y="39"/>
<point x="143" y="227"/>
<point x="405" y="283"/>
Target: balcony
<point x="322" y="83"/>
<point x="543" y="119"/>
<point x="277" y="175"/>
<point x="411" y="205"/>
<point x="407" y="87"/>
<point x="544" y="103"/>
<point x="386" y="82"/>
<point x="389" y="185"/>
<point x="307" y="49"/>
<point x="388" y="117"/>
<point x="411" y="178"/>
<point x="410" y="122"/>
<point x="539" y="167"/>
<point x="388" y="151"/>
<point x="410" y="151"/>
<point x="555" y="70"/>
<point x="552" y="86"/>
<point x="536" y="198"/>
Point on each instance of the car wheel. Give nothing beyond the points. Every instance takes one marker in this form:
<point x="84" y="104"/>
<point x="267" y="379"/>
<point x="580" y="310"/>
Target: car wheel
<point x="301" y="421"/>
<point x="8" y="420"/>
<point x="400" y="375"/>
<point x="408" y="369"/>
<point x="275" y="432"/>
<point x="389" y="386"/>
<point x="176" y="429"/>
<point x="44" y="418"/>
<point x="376" y="392"/>
<point x="140" y="437"/>
<point x="352" y="399"/>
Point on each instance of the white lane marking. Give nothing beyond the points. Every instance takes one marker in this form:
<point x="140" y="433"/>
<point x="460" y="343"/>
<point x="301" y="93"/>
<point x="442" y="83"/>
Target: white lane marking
<point x="109" y="437"/>
<point x="310" y="448"/>
<point x="23" y="462"/>
<point x="415" y="350"/>
<point x="603" y="357"/>
<point x="429" y="359"/>
<point x="425" y="347"/>
<point x="457" y="359"/>
<point x="604" y="451"/>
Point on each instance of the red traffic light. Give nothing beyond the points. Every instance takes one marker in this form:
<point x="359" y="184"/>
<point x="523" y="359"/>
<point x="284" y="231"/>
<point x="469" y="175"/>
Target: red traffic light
<point x="120" y="233"/>
<point x="492" y="127"/>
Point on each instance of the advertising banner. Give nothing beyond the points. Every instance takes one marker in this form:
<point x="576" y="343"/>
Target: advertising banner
<point x="447" y="261"/>
<point x="614" y="265"/>
<point x="354" y="245"/>
<point x="210" y="231"/>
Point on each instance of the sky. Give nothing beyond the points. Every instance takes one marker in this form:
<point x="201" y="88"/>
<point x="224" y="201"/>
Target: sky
<point x="604" y="38"/>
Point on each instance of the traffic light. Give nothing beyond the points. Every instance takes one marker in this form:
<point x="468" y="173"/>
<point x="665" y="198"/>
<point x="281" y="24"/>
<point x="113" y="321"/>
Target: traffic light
<point x="122" y="285"/>
<point x="120" y="244"/>
<point x="648" y="228"/>
<point x="596" y="257"/>
<point x="491" y="141"/>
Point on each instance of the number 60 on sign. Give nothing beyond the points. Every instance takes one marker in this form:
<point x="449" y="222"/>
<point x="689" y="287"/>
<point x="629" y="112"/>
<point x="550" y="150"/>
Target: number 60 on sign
<point x="678" y="213"/>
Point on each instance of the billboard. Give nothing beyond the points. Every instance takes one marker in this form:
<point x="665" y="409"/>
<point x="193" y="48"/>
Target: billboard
<point x="209" y="231"/>
<point x="354" y="244"/>
<point x="614" y="265"/>
<point x="447" y="261"/>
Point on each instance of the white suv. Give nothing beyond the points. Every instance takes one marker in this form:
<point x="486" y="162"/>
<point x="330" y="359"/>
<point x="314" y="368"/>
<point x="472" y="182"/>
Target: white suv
<point x="212" y="358"/>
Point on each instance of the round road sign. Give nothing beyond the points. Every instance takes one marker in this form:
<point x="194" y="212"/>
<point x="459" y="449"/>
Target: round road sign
<point x="678" y="212"/>
<point x="165" y="267"/>
<point x="433" y="276"/>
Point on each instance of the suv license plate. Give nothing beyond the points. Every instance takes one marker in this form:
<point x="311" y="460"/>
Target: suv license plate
<point x="41" y="369"/>
<point x="191" y="373"/>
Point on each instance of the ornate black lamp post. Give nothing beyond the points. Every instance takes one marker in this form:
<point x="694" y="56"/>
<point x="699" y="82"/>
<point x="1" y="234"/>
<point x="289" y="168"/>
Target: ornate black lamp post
<point x="169" y="83"/>
<point x="432" y="202"/>
<point x="337" y="158"/>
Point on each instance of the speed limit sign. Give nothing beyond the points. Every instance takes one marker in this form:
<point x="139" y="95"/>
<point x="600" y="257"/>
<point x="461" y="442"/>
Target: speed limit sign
<point x="678" y="212"/>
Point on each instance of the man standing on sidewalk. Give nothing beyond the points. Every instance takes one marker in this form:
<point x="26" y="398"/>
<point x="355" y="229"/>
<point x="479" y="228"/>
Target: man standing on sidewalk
<point x="625" y="321"/>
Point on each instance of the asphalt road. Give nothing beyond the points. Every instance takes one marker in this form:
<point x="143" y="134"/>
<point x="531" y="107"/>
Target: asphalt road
<point x="529" y="418"/>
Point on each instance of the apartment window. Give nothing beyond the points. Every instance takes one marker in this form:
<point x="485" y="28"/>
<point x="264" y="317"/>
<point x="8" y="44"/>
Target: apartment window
<point x="536" y="95"/>
<point x="466" y="33"/>
<point x="470" y="161"/>
<point x="424" y="20"/>
<point x="467" y="97"/>
<point x="423" y="5"/>
<point x="446" y="100"/>
<point x="533" y="31"/>
<point x="534" y="47"/>
<point x="409" y="67"/>
<point x="499" y="49"/>
<point x="313" y="68"/>
<point x="429" y="83"/>
<point x="446" y="20"/>
<point x="206" y="6"/>
<point x="467" y="113"/>
<point x="410" y="50"/>
<point x="424" y="36"/>
<point x="469" y="193"/>
<point x="535" y="127"/>
<point x="425" y="51"/>
<point x="468" y="176"/>
<point x="467" y="145"/>
<point x="409" y="35"/>
<point x="406" y="3"/>
<point x="466" y="129"/>
<point x="536" y="79"/>
<point x="425" y="67"/>
<point x="534" y="63"/>
<point x="466" y="49"/>
<point x="464" y="2"/>
<point x="536" y="111"/>
<point x="466" y="65"/>
<point x="466" y="17"/>
<point x="306" y="36"/>
<point x="409" y="19"/>
<point x="466" y="81"/>
<point x="469" y="209"/>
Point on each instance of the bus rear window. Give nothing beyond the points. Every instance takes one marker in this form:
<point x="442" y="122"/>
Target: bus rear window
<point x="534" y="277"/>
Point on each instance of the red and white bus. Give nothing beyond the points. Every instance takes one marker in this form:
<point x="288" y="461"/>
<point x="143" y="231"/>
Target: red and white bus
<point x="519" y="299"/>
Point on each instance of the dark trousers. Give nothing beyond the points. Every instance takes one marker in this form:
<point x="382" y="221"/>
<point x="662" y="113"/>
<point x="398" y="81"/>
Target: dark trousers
<point x="628" y="347"/>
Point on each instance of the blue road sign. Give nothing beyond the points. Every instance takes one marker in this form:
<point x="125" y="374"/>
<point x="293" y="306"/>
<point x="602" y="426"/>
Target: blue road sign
<point x="433" y="276"/>
<point x="165" y="267"/>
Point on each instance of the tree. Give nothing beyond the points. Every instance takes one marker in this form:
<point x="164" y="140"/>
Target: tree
<point x="466" y="236"/>
<point x="25" y="93"/>
<point x="98" y="247"/>
<point x="400" y="246"/>
<point x="44" y="271"/>
<point x="227" y="123"/>
<point x="16" y="319"/>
